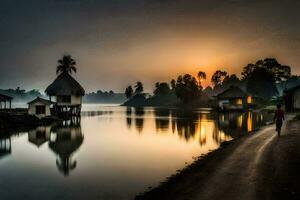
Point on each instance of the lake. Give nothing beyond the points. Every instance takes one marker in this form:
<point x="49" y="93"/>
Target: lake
<point x="113" y="152"/>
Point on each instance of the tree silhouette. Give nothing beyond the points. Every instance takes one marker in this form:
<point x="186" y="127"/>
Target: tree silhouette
<point x="173" y="84"/>
<point x="218" y="77"/>
<point x="139" y="88"/>
<point x="187" y="88"/>
<point x="66" y="65"/>
<point x="128" y="92"/>
<point x="201" y="77"/>
<point x="161" y="89"/>
<point x="279" y="72"/>
<point x="261" y="83"/>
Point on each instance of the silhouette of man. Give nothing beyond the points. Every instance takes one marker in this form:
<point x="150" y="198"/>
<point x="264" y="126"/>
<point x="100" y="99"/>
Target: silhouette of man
<point x="278" y="118"/>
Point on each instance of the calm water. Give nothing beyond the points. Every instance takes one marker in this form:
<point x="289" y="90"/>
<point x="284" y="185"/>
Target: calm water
<point x="114" y="152"/>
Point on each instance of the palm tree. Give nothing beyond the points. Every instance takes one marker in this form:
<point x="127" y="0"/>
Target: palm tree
<point x="128" y="92"/>
<point x="139" y="87"/>
<point x="201" y="77"/>
<point x="66" y="65"/>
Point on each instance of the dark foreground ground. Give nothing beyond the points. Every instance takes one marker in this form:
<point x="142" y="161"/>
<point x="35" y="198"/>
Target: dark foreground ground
<point x="259" y="166"/>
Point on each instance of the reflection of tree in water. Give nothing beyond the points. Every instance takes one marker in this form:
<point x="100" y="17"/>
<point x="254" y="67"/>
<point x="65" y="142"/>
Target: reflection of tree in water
<point x="162" y="119"/>
<point x="186" y="123"/>
<point x="139" y="118"/>
<point x="129" y="117"/>
<point x="66" y="140"/>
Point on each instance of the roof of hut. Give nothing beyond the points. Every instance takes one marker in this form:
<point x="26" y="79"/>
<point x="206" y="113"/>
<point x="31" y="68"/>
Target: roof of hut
<point x="63" y="85"/>
<point x="40" y="100"/>
<point x="291" y="90"/>
<point x="232" y="92"/>
<point x="4" y="97"/>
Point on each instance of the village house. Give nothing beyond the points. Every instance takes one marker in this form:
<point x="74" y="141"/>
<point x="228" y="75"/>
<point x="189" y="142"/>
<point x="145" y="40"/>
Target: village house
<point x="67" y="94"/>
<point x="292" y="98"/>
<point x="5" y="101"/>
<point x="40" y="107"/>
<point x="234" y="99"/>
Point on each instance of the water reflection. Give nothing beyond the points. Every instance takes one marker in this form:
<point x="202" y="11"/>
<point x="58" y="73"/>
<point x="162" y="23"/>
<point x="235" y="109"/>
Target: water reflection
<point x="122" y="152"/>
<point x="192" y="125"/>
<point x="139" y="118"/>
<point x="66" y="138"/>
<point x="5" y="146"/>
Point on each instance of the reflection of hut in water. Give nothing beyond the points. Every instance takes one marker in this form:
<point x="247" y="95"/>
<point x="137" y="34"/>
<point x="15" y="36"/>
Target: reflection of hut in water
<point x="5" y="146"/>
<point x="235" y="124"/>
<point x="40" y="135"/>
<point x="64" y="142"/>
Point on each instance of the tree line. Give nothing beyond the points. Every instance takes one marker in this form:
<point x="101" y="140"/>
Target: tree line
<point x="260" y="79"/>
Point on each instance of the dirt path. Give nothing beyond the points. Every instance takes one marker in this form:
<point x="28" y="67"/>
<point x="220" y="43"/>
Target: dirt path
<point x="260" y="166"/>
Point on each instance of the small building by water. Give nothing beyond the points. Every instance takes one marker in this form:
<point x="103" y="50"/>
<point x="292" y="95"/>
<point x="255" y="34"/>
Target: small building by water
<point x="292" y="98"/>
<point x="67" y="94"/>
<point x="234" y="98"/>
<point x="40" y="107"/>
<point x="5" y="101"/>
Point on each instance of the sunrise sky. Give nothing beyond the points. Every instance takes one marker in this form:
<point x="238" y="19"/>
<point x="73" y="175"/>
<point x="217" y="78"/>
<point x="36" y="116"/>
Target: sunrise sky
<point x="117" y="42"/>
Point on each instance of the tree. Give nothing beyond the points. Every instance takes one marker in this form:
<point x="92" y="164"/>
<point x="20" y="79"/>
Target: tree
<point x="248" y="70"/>
<point x="173" y="84"/>
<point x="231" y="80"/>
<point x="261" y="83"/>
<point x="139" y="88"/>
<point x="279" y="72"/>
<point x="201" y="77"/>
<point x="161" y="89"/>
<point x="218" y="77"/>
<point x="128" y="92"/>
<point x="66" y="65"/>
<point x="187" y="88"/>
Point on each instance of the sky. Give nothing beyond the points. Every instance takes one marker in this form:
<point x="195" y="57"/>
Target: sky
<point x="119" y="42"/>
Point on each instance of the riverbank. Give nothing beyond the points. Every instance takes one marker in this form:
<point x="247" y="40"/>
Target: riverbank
<point x="257" y="166"/>
<point x="18" y="119"/>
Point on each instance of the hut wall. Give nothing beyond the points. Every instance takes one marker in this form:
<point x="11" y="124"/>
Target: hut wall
<point x="32" y="109"/>
<point x="297" y="99"/>
<point x="75" y="100"/>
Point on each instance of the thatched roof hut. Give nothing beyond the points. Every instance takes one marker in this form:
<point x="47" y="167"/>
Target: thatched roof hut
<point x="65" y="85"/>
<point x="232" y="93"/>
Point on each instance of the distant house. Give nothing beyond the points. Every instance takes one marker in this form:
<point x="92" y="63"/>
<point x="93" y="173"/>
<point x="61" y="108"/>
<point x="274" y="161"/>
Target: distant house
<point x="234" y="99"/>
<point x="4" y="100"/>
<point x="292" y="98"/>
<point x="39" y="107"/>
<point x="67" y="94"/>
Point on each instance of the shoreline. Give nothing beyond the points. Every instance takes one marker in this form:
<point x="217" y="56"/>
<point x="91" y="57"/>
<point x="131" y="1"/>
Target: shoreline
<point x="182" y="173"/>
<point x="181" y="184"/>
